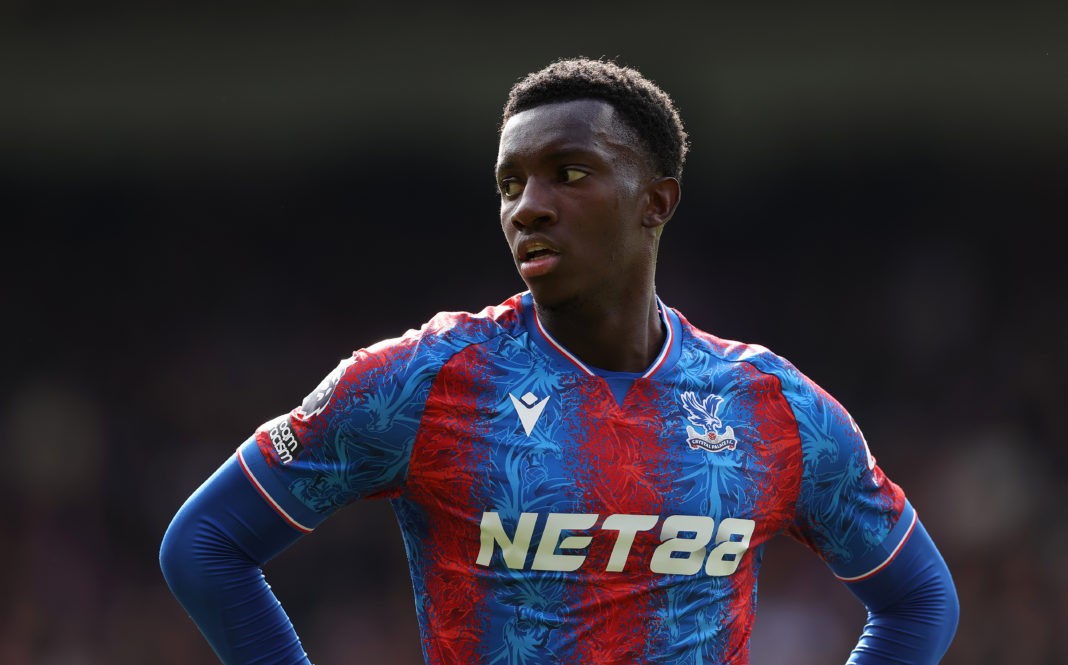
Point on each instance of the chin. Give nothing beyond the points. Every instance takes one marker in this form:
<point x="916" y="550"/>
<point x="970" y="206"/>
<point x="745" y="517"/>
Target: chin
<point x="551" y="297"/>
<point x="546" y="296"/>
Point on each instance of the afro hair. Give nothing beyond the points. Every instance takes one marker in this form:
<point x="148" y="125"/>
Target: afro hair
<point x="640" y="103"/>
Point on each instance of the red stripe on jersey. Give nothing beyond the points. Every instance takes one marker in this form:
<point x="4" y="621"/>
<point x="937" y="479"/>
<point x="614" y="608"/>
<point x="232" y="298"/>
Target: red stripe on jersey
<point x="449" y="456"/>
<point x="773" y="450"/>
<point x="619" y="463"/>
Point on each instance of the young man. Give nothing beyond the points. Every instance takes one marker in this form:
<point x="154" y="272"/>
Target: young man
<point x="580" y="475"/>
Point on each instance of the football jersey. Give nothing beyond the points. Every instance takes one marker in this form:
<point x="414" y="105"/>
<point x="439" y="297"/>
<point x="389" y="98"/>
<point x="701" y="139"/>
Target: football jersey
<point x="555" y="513"/>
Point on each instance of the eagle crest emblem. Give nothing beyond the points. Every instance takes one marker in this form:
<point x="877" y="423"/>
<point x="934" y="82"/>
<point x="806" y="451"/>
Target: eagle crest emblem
<point x="702" y="416"/>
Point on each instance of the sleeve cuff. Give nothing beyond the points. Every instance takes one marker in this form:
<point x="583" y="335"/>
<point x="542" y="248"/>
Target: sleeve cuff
<point x="274" y="491"/>
<point x="864" y="567"/>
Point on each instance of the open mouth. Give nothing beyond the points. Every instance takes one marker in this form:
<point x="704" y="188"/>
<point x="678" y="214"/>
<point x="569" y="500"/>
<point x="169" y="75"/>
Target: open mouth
<point x="536" y="252"/>
<point x="536" y="259"/>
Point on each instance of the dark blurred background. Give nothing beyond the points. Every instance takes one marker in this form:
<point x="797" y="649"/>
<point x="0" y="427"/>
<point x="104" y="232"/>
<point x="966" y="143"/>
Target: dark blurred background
<point x="204" y="209"/>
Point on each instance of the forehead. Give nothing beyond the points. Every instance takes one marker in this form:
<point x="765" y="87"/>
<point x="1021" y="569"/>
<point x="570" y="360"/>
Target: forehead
<point x="585" y="124"/>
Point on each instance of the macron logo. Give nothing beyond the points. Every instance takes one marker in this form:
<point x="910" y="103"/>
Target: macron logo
<point x="529" y="409"/>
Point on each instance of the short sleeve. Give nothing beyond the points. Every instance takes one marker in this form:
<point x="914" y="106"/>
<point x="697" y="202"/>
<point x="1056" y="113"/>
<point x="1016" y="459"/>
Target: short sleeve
<point x="847" y="510"/>
<point x="350" y="438"/>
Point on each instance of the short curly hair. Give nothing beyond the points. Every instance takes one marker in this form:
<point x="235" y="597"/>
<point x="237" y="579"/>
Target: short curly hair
<point x="641" y="104"/>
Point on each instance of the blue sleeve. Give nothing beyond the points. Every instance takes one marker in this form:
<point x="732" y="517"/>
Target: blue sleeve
<point x="211" y="556"/>
<point x="912" y="607"/>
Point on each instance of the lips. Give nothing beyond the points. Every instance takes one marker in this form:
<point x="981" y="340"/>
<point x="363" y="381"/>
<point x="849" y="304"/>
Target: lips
<point x="536" y="258"/>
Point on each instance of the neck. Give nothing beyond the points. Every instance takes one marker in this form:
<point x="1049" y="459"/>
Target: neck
<point x="617" y="338"/>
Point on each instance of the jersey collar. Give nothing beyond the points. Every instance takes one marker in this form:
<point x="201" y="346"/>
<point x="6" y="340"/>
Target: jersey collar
<point x="668" y="356"/>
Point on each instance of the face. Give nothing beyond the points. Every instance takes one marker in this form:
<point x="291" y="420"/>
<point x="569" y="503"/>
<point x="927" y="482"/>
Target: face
<point x="576" y="202"/>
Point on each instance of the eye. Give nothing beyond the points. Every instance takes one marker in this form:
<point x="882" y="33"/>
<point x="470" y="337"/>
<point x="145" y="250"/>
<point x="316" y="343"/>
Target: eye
<point x="572" y="174"/>
<point x="509" y="187"/>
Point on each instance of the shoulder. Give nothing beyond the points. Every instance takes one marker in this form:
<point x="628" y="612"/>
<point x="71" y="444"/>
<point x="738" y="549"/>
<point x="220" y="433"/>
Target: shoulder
<point x="444" y="335"/>
<point x="742" y="355"/>
<point x="465" y="328"/>
<point x="414" y="357"/>
<point x="760" y="366"/>
<point x="394" y="374"/>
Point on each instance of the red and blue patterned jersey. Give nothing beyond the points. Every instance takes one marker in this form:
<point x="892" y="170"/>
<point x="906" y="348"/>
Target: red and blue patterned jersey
<point x="555" y="513"/>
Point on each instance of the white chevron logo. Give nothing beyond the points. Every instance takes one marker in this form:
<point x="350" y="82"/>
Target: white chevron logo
<point x="529" y="409"/>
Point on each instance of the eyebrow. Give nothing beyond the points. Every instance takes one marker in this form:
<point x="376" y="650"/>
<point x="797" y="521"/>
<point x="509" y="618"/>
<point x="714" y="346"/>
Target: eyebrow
<point x="559" y="154"/>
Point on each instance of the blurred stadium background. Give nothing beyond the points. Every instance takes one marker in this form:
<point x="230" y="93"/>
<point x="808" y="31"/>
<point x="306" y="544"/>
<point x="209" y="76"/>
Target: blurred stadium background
<point x="205" y="209"/>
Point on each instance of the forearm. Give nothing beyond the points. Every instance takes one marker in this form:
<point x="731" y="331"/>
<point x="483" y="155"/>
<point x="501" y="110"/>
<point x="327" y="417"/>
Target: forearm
<point x="211" y="557"/>
<point x="912" y="607"/>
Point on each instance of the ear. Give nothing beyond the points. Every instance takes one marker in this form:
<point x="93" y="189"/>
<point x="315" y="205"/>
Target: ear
<point x="663" y="194"/>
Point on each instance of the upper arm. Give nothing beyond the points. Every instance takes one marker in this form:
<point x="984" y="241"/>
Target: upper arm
<point x="351" y="437"/>
<point x="847" y="511"/>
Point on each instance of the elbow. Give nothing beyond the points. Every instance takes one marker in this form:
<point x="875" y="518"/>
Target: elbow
<point x="184" y="557"/>
<point x="952" y="612"/>
<point x="175" y="557"/>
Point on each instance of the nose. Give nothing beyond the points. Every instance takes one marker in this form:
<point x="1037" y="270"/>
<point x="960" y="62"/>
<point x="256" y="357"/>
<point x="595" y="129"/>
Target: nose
<point x="534" y="206"/>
